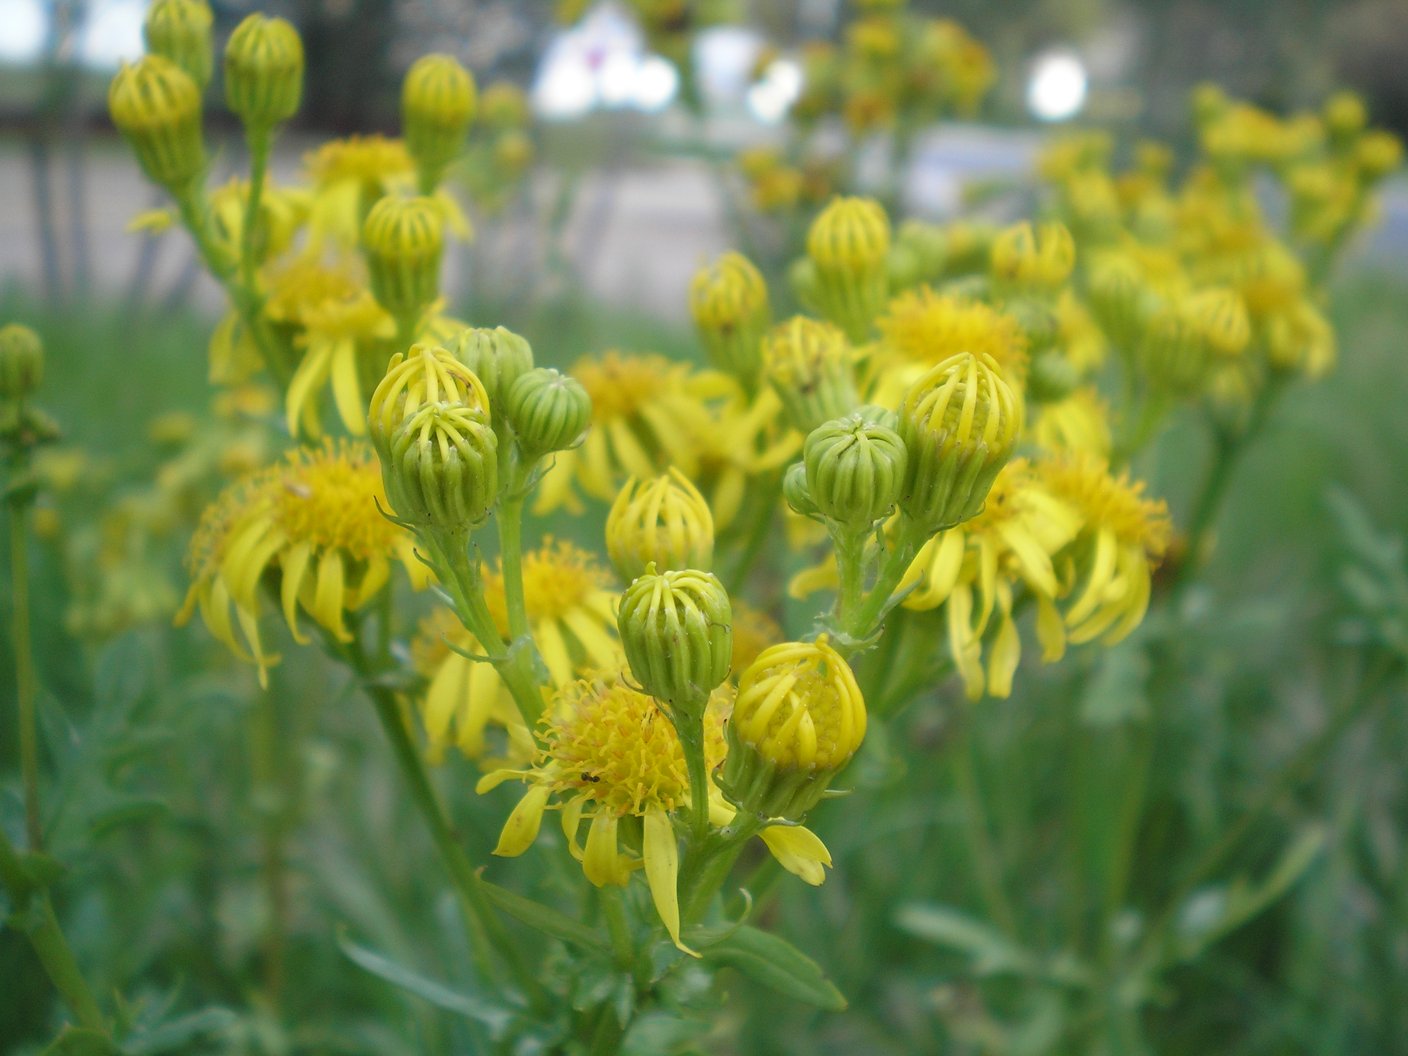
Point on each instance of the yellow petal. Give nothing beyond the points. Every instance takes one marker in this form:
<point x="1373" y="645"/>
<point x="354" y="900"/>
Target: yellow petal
<point x="521" y="828"/>
<point x="600" y="862"/>
<point x="661" y="852"/>
<point x="799" y="851"/>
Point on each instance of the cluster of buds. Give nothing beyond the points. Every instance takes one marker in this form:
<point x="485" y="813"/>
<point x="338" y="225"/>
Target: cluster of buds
<point x="854" y="469"/>
<point x="676" y="629"/>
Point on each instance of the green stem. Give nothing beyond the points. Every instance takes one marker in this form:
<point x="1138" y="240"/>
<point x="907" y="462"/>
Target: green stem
<point x="707" y="865"/>
<point x="617" y="927"/>
<point x="26" y="683"/>
<point x="486" y="929"/>
<point x="1127" y="825"/>
<point x="985" y="861"/>
<point x="260" y="141"/>
<point x="41" y="927"/>
<point x="867" y="615"/>
<point x="273" y="813"/>
<point x="691" y="733"/>
<point x="850" y="565"/>
<point x="510" y="518"/>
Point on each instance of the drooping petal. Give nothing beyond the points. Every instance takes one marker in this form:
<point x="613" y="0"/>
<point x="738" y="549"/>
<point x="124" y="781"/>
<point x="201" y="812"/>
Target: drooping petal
<point x="661" y="852"/>
<point x="521" y="828"/>
<point x="799" y="851"/>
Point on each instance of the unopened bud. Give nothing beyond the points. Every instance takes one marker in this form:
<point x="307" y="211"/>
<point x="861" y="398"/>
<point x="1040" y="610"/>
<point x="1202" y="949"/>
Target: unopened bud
<point x="443" y="468"/>
<point x="729" y="302"/>
<point x="1030" y="259"/>
<point x="810" y="366"/>
<point x="549" y="411"/>
<point x="677" y="632"/>
<point x="424" y="376"/>
<point x="1220" y="315"/>
<point x="437" y="106"/>
<point x="498" y="358"/>
<point x="664" y="522"/>
<point x="1175" y="355"/>
<point x="960" y="423"/>
<point x="403" y="239"/>
<point x="1121" y="302"/>
<point x="21" y="361"/>
<point x="179" y="30"/>
<point x="855" y="470"/>
<point x="848" y="244"/>
<point x="796" y="493"/>
<point x="156" y="106"/>
<point x="797" y="720"/>
<point x="264" y="71"/>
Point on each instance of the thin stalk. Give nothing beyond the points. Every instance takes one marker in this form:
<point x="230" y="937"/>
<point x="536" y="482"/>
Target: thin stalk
<point x="270" y="799"/>
<point x="691" y="733"/>
<point x="486" y="929"/>
<point x="26" y="683"/>
<point x="850" y="564"/>
<point x="986" y="865"/>
<point x="41" y="927"/>
<point x="892" y="570"/>
<point x="617" y="927"/>
<point x="510" y="518"/>
<point x="260" y="140"/>
<point x="1127" y="820"/>
<point x="708" y="864"/>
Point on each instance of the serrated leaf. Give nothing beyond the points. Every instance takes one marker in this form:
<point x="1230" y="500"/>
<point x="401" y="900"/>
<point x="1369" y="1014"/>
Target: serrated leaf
<point x="772" y="961"/>
<point x="82" y="1041"/>
<point x="991" y="952"/>
<point x="493" y="1015"/>
<point x="176" y="1035"/>
<point x="544" y="918"/>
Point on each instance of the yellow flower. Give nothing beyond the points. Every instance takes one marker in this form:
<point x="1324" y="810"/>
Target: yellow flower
<point x="1109" y="566"/>
<point x="1080" y="422"/>
<point x="349" y="176"/>
<point x="974" y="569"/>
<point x="312" y="524"/>
<point x="922" y="328"/>
<point x="342" y="340"/>
<point x="572" y="615"/>
<point x="647" y="412"/>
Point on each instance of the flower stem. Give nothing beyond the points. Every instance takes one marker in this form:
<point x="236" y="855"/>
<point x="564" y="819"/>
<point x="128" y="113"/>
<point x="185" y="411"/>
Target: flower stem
<point x="617" y="927"/>
<point x="986" y="865"/>
<point x="485" y="928"/>
<point x="864" y="617"/>
<point x="26" y="683"/>
<point x="34" y="915"/>
<point x="510" y="520"/>
<point x="272" y="808"/>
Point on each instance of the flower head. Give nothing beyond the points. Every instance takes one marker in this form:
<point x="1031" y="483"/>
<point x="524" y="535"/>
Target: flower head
<point x="663" y="521"/>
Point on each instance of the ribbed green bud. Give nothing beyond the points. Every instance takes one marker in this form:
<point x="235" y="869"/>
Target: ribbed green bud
<point x="796" y="493"/>
<point x="21" y="361"/>
<point x="549" y="411"/>
<point x="811" y="367"/>
<point x="1175" y="354"/>
<point x="498" y="358"/>
<point x="156" y="106"/>
<point x="729" y="302"/>
<point x="798" y="719"/>
<point x="928" y="244"/>
<point x="264" y="71"/>
<point x="960" y="422"/>
<point x="1040" y="259"/>
<point x="179" y="30"/>
<point x="855" y="470"/>
<point x="1121" y="302"/>
<point x="1037" y="320"/>
<point x="1221" y="317"/>
<point x="443" y="469"/>
<point x="403" y="239"/>
<point x="677" y="632"/>
<point x="437" y="106"/>
<point x="848" y="244"/>
<point x="663" y="522"/>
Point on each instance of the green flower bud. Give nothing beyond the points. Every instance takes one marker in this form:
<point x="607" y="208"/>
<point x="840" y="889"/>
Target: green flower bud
<point x="810" y="366"/>
<point x="1221" y="317"/>
<point x="498" y="358"/>
<point x="802" y="277"/>
<point x="796" y="493"/>
<point x="21" y="361"/>
<point x="179" y="30"/>
<point x="1121" y="302"/>
<point x="848" y="244"/>
<point x="729" y="302"/>
<point x="929" y="246"/>
<point x="264" y="71"/>
<point x="677" y="631"/>
<point x="663" y="522"/>
<point x="425" y="376"/>
<point x="443" y="468"/>
<point x="1175" y="355"/>
<point x="798" y="719"/>
<point x="156" y="106"/>
<point x="1051" y="377"/>
<point x="549" y="411"/>
<point x="959" y="422"/>
<point x="902" y="268"/>
<point x="855" y="470"/>
<point x="437" y="106"/>
<point x="403" y="239"/>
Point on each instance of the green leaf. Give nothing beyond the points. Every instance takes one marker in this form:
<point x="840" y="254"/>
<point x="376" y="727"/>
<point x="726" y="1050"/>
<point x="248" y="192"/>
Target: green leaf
<point x="82" y="1041"/>
<point x="772" y="961"/>
<point x="494" y="1016"/>
<point x="991" y="952"/>
<point x="176" y="1035"/>
<point x="1213" y="912"/>
<point x="544" y="918"/>
<point x="1116" y="693"/>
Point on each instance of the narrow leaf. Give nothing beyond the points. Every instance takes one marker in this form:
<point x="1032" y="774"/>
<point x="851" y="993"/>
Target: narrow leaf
<point x="775" y="963"/>
<point x="546" y="919"/>
<point x="494" y="1016"/>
